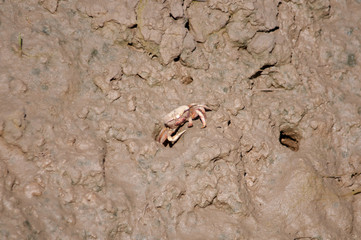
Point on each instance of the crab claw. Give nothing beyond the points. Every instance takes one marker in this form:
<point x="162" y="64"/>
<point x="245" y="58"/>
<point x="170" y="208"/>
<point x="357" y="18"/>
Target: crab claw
<point x="166" y="134"/>
<point x="175" y="137"/>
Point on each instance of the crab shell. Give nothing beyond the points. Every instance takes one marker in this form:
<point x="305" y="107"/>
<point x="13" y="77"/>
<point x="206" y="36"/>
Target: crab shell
<point x="176" y="117"/>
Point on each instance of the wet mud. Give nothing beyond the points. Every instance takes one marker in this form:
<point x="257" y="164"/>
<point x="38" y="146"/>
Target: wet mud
<point x="84" y="86"/>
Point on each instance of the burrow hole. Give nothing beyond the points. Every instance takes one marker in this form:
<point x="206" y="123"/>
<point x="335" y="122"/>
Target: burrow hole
<point x="290" y="137"/>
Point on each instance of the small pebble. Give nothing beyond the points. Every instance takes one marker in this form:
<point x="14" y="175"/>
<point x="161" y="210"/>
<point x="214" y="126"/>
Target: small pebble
<point x="131" y="103"/>
<point x="83" y="113"/>
<point x="314" y="125"/>
<point x="33" y="189"/>
<point x="113" y="95"/>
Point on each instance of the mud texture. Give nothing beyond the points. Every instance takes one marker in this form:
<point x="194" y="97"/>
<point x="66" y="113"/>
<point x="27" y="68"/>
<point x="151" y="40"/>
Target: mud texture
<point x="83" y="88"/>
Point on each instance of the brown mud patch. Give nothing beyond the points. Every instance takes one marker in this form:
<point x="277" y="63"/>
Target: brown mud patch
<point x="83" y="88"/>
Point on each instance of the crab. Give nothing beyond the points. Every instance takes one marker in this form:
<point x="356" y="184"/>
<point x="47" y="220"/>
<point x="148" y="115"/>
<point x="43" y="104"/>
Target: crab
<point x="178" y="117"/>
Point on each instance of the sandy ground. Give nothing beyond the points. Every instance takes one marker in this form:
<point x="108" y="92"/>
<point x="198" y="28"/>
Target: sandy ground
<point x="84" y="86"/>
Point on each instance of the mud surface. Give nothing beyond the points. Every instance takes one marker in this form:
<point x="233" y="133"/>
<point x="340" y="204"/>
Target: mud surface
<point x="83" y="88"/>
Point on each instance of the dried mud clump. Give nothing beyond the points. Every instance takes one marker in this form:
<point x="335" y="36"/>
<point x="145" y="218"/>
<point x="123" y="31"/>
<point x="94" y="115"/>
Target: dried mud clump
<point x="83" y="88"/>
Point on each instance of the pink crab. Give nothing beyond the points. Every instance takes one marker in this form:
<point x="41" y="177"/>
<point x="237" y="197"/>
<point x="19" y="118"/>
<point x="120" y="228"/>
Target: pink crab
<point x="176" y="118"/>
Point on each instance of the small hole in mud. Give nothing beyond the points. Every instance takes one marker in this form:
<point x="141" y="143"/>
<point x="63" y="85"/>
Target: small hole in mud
<point x="355" y="192"/>
<point x="187" y="25"/>
<point x="355" y="174"/>
<point x="256" y="74"/>
<point x="176" y="59"/>
<point x="27" y="224"/>
<point x="186" y="80"/>
<point x="290" y="138"/>
<point x="134" y="26"/>
<point x="229" y="122"/>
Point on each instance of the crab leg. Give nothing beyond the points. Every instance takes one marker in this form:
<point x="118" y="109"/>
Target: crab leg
<point x="175" y="137"/>
<point x="190" y="122"/>
<point x="202" y="109"/>
<point x="202" y="117"/>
